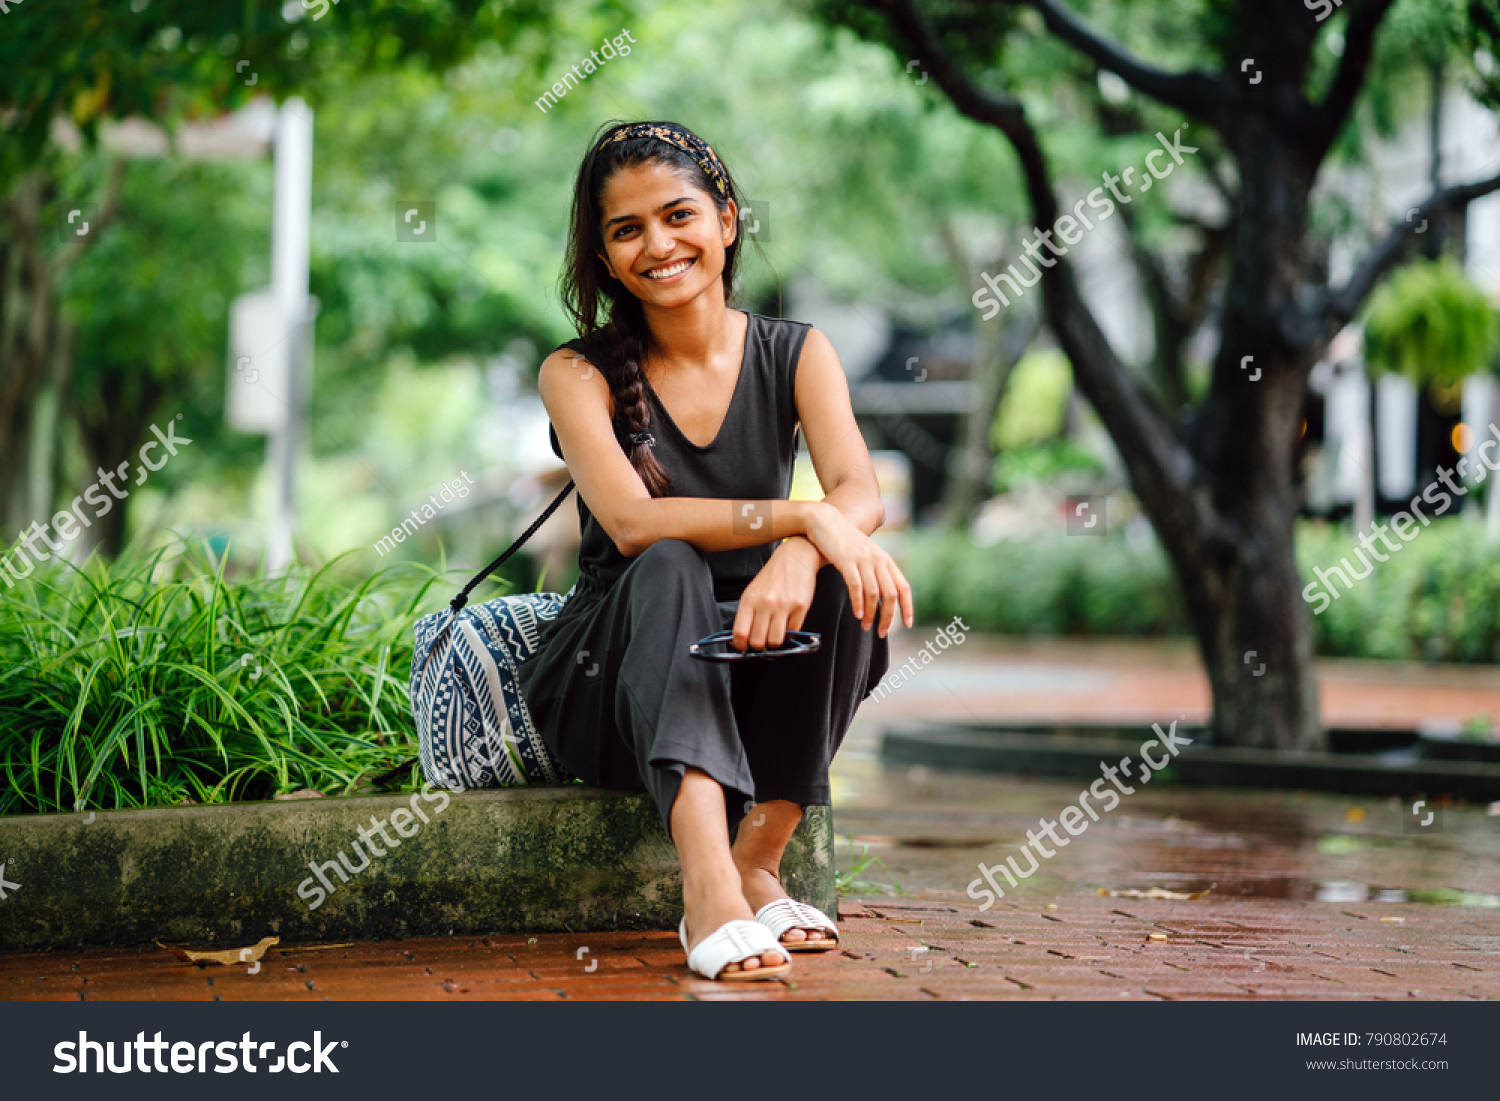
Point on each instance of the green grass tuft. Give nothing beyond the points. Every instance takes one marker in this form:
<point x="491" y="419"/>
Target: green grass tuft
<point x="156" y="680"/>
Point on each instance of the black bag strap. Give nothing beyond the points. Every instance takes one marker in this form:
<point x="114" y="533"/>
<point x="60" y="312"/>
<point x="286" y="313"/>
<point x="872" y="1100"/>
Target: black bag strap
<point x="463" y="598"/>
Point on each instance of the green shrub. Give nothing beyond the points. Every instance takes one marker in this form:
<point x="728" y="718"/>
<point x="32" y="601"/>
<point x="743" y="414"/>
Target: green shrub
<point x="157" y="680"/>
<point x="1048" y="586"/>
<point x="1438" y="598"/>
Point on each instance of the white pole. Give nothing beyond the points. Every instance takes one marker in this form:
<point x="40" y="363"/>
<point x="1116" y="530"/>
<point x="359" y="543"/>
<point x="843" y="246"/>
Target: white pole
<point x="290" y="236"/>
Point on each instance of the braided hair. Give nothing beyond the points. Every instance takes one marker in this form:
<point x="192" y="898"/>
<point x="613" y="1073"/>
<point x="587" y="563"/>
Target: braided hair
<point x="623" y="338"/>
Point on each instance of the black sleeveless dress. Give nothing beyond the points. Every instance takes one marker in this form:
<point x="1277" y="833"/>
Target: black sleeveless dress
<point x="612" y="689"/>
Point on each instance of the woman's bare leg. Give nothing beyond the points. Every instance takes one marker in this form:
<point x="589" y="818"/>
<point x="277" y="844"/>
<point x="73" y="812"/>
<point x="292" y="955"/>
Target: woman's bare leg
<point x="711" y="882"/>
<point x="758" y="847"/>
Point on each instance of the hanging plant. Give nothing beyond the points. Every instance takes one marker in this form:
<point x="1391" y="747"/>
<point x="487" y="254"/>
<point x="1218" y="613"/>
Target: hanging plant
<point x="1431" y="324"/>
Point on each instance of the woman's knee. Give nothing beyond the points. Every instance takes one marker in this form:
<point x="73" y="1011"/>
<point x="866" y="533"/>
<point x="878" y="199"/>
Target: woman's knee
<point x="671" y="559"/>
<point x="831" y="593"/>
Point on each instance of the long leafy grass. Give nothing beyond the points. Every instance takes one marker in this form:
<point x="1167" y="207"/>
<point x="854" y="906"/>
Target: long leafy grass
<point x="156" y="680"/>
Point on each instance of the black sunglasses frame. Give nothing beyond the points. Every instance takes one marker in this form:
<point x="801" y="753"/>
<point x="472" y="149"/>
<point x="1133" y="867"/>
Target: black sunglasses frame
<point x="796" y="642"/>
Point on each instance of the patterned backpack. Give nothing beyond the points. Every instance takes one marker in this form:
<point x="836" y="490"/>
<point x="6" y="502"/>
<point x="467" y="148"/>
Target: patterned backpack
<point x="473" y="728"/>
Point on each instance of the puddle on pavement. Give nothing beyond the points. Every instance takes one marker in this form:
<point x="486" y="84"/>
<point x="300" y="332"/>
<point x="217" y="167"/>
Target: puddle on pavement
<point x="932" y="828"/>
<point x="1335" y="890"/>
<point x="1342" y="891"/>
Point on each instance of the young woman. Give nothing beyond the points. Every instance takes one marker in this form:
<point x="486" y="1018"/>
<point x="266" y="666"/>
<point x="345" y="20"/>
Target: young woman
<point x="677" y="417"/>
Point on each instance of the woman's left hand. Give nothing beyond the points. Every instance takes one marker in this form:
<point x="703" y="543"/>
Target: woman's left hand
<point x="873" y="578"/>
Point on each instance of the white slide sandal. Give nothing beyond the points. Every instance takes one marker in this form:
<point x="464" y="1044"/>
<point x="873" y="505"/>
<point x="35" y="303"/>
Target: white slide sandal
<point x="786" y="914"/>
<point x="734" y="942"/>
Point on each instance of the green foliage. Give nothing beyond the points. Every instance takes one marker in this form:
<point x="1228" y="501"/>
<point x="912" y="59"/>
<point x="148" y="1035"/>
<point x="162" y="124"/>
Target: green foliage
<point x="1056" y="586"/>
<point x="1035" y="402"/>
<point x="149" y="303"/>
<point x="852" y="881"/>
<point x="158" y="680"/>
<point x="153" y="293"/>
<point x="1483" y="42"/>
<point x="1430" y="323"/>
<point x="1438" y="598"/>
<point x="1047" y="463"/>
<point x="172" y="59"/>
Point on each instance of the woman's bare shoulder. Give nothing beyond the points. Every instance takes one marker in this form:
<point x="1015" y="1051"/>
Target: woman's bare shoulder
<point x="564" y="369"/>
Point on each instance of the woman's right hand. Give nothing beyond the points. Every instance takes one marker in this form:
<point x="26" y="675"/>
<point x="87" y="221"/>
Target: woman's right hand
<point x="872" y="575"/>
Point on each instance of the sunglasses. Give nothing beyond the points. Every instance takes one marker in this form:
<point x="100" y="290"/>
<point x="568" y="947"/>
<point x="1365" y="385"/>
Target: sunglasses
<point x="720" y="647"/>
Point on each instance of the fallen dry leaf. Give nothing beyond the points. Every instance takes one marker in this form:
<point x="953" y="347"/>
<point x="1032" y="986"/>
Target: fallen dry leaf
<point x="1155" y="892"/>
<point x="224" y="956"/>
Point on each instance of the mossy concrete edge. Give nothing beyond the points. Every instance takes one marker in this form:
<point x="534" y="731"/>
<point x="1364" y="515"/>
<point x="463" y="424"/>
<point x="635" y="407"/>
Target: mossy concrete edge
<point x="571" y="859"/>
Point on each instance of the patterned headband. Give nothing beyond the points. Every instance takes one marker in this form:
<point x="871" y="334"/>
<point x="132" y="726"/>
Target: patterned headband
<point x="685" y="140"/>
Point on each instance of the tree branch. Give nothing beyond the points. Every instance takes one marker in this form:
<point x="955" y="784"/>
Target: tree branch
<point x="1162" y="469"/>
<point x="1196" y="94"/>
<point x="1344" y="303"/>
<point x="109" y="210"/>
<point x="1359" y="47"/>
<point x="1000" y="111"/>
<point x="1214" y="165"/>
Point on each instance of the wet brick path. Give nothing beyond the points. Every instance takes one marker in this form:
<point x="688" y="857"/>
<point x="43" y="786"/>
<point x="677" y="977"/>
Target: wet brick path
<point x="908" y="948"/>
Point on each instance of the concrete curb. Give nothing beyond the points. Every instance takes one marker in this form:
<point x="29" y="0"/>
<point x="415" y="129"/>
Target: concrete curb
<point x="568" y="859"/>
<point x="984" y="749"/>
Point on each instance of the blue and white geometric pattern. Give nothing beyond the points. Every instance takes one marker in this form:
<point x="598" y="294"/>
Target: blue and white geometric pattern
<point x="473" y="729"/>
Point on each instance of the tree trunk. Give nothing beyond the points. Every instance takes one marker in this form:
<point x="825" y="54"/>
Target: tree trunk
<point x="1244" y="597"/>
<point x="996" y="353"/>
<point x="112" y="428"/>
<point x="997" y="349"/>
<point x="27" y="308"/>
<point x="29" y="333"/>
<point x="1255" y="638"/>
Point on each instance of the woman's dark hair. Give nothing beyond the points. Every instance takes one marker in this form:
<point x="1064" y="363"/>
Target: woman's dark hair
<point x="622" y="338"/>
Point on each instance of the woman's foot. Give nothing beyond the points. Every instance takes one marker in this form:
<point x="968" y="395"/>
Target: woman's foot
<point x="708" y="910"/>
<point x="761" y="886"/>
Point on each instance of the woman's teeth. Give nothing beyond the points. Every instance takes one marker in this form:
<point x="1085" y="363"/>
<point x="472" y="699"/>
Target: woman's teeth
<point x="667" y="273"/>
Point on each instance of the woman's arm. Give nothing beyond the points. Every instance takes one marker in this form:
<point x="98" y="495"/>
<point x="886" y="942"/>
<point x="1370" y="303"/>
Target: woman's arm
<point x="778" y="598"/>
<point x="578" y="401"/>
<point x="836" y="446"/>
<point x="838" y="451"/>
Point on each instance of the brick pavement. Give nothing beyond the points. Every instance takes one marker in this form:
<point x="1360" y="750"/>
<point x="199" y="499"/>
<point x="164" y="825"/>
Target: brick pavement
<point x="913" y="948"/>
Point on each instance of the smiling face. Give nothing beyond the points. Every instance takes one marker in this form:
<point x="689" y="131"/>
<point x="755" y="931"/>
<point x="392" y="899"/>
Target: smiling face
<point x="664" y="238"/>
